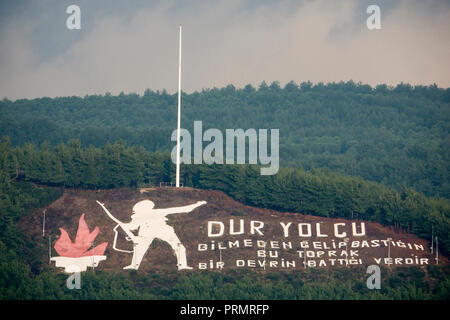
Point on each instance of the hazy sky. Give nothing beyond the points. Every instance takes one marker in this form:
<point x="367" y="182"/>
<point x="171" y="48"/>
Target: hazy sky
<point x="133" y="45"/>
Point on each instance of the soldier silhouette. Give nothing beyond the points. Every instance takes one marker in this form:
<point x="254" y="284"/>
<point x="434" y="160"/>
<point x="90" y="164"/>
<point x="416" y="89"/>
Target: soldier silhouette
<point x="152" y="224"/>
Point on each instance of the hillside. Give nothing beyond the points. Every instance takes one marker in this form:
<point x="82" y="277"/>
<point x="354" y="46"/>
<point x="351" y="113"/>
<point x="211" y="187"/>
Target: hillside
<point x="27" y="274"/>
<point x="238" y="251"/>
<point x="393" y="135"/>
<point x="315" y="192"/>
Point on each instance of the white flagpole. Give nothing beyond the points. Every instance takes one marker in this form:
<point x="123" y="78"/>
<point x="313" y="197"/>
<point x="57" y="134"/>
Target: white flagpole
<point x="177" y="184"/>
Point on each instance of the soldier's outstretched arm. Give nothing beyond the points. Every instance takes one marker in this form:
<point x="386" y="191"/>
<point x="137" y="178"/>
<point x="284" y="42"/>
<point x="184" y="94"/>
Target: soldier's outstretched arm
<point x="185" y="209"/>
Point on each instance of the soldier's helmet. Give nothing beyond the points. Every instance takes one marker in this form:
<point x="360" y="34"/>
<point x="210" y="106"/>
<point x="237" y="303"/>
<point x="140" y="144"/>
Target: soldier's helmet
<point x="142" y="207"/>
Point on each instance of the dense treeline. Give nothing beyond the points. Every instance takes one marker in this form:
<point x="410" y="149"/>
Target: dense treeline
<point x="397" y="136"/>
<point x="310" y="192"/>
<point x="19" y="256"/>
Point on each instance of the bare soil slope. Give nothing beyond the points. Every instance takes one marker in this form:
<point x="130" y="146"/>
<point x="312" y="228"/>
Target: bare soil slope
<point x="192" y="230"/>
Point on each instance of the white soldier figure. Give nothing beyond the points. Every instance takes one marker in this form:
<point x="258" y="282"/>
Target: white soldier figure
<point x="152" y="224"/>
